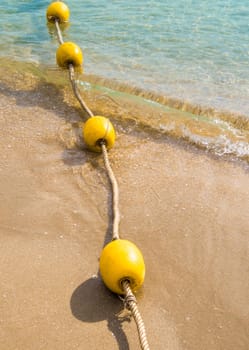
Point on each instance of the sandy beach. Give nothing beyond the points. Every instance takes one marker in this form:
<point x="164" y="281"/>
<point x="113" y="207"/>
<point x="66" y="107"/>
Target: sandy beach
<point x="187" y="211"/>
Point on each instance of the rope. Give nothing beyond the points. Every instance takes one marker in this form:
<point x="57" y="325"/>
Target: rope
<point x="115" y="193"/>
<point x="71" y="73"/>
<point x="112" y="179"/>
<point x="130" y="299"/>
<point x="131" y="304"/>
<point x="76" y="91"/>
<point x="58" y="31"/>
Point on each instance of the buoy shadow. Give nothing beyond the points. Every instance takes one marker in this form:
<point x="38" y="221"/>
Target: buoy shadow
<point x="93" y="302"/>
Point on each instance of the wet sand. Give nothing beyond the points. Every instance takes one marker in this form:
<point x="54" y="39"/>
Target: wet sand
<point x="187" y="211"/>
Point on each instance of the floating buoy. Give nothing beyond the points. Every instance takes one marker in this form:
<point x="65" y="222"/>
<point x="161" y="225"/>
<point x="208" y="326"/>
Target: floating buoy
<point x="97" y="129"/>
<point x="58" y="10"/>
<point x="69" y="53"/>
<point x="121" y="260"/>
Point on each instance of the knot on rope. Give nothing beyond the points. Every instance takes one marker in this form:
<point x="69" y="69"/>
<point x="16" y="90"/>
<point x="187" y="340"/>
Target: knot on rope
<point x="128" y="300"/>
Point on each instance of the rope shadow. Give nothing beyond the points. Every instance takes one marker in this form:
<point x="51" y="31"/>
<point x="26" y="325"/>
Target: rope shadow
<point x="91" y="302"/>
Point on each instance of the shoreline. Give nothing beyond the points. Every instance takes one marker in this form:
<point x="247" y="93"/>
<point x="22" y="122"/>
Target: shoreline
<point x="225" y="135"/>
<point x="186" y="209"/>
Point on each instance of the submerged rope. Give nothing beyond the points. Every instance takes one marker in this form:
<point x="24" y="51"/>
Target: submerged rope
<point x="58" y="31"/>
<point x="76" y="91"/>
<point x="130" y="299"/>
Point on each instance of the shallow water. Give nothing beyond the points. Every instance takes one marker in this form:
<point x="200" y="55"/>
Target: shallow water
<point x="192" y="51"/>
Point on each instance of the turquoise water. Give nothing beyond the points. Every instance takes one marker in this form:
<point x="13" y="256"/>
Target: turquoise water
<point x="189" y="51"/>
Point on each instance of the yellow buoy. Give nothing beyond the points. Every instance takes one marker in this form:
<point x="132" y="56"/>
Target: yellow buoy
<point x="121" y="260"/>
<point x="69" y="53"/>
<point x="98" y="129"/>
<point x="58" y="10"/>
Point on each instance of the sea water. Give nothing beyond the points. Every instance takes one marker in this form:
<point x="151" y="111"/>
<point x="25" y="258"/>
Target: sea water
<point x="189" y="51"/>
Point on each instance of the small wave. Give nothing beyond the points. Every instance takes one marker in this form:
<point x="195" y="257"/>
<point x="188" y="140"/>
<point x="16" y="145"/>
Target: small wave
<point x="222" y="133"/>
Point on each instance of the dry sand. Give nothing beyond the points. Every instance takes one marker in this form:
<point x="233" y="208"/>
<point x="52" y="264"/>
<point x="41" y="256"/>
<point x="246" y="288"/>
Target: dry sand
<point x="187" y="211"/>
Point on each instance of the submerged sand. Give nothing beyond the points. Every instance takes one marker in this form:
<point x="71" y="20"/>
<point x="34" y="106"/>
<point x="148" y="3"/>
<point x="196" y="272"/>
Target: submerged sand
<point x="187" y="211"/>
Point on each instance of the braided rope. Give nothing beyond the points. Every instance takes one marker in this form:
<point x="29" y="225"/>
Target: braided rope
<point x="130" y="299"/>
<point x="131" y="304"/>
